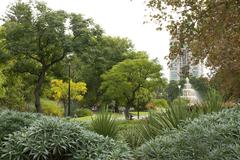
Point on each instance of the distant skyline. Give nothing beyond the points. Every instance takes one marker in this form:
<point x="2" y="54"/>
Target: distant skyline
<point x="123" y="18"/>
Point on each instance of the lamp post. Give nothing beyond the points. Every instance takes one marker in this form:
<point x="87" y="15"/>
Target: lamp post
<point x="69" y="83"/>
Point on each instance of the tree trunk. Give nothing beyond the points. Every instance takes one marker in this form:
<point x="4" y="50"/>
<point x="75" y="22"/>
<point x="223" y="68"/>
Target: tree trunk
<point x="65" y="108"/>
<point x="126" y="113"/>
<point x="37" y="91"/>
<point x="116" y="109"/>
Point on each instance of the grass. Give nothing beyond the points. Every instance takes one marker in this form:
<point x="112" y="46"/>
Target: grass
<point x="115" y="115"/>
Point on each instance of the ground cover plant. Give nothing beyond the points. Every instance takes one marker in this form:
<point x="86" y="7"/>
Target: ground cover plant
<point x="11" y="121"/>
<point x="209" y="137"/>
<point x="55" y="139"/>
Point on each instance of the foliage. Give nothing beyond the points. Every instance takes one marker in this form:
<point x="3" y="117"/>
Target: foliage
<point x="2" y="89"/>
<point x="35" y="37"/>
<point x="54" y="139"/>
<point x="210" y="29"/>
<point x="105" y="124"/>
<point x="213" y="102"/>
<point x="213" y="136"/>
<point x="11" y="121"/>
<point x="157" y="122"/>
<point x="52" y="108"/>
<point x="201" y="85"/>
<point x="160" y="103"/>
<point x="126" y="79"/>
<point x="172" y="91"/>
<point x="82" y="112"/>
<point x="131" y="136"/>
<point x="180" y="102"/>
<point x="59" y="91"/>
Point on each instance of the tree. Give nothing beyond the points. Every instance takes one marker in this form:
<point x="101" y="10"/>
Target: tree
<point x="59" y="91"/>
<point x="210" y="29"/>
<point x="36" y="37"/>
<point x="2" y="81"/>
<point x="172" y="91"/>
<point x="127" y="78"/>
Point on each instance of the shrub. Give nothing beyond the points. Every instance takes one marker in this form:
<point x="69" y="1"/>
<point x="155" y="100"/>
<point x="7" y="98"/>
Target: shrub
<point x="157" y="122"/>
<point x="104" y="124"/>
<point x="131" y="136"/>
<point x="180" y="102"/>
<point x="83" y="112"/>
<point x="209" y="137"/>
<point x="160" y="103"/>
<point x="55" y="139"/>
<point x="52" y="108"/>
<point x="11" y="121"/>
<point x="213" y="102"/>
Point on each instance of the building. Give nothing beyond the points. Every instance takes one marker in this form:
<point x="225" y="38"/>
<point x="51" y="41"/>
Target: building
<point x="183" y="64"/>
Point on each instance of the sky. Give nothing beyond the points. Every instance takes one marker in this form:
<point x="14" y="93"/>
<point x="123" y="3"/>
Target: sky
<point x="123" y="18"/>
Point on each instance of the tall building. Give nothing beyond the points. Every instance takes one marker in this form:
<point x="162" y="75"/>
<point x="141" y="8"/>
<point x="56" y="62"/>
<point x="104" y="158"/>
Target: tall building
<point x="183" y="64"/>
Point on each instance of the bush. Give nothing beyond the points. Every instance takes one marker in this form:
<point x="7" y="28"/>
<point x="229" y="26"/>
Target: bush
<point x="11" y="121"/>
<point x="52" y="108"/>
<point x="83" y="112"/>
<point x="55" y="139"/>
<point x="160" y="103"/>
<point x="104" y="124"/>
<point x="213" y="102"/>
<point x="131" y="136"/>
<point x="180" y="102"/>
<point x="129" y="132"/>
<point x="209" y="137"/>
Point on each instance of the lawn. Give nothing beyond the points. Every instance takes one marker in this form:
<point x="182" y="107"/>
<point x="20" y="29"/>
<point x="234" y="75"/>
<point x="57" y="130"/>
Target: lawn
<point x="115" y="115"/>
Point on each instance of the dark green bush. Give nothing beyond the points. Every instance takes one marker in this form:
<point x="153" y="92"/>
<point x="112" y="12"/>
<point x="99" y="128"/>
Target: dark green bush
<point x="82" y="112"/>
<point x="214" y="136"/>
<point x="11" y="121"/>
<point x="55" y="139"/>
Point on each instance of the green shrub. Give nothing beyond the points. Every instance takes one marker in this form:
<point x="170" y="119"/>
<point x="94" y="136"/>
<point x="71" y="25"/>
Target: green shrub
<point x="180" y="102"/>
<point x="11" y="121"/>
<point x="52" y="108"/>
<point x="55" y="139"/>
<point x="214" y="136"/>
<point x="105" y="124"/>
<point x="131" y="136"/>
<point x="160" y="103"/>
<point x="83" y="112"/>
<point x="157" y="122"/>
<point x="129" y="132"/>
<point x="213" y="102"/>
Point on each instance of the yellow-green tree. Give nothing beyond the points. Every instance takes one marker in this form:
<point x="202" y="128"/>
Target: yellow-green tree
<point x="59" y="91"/>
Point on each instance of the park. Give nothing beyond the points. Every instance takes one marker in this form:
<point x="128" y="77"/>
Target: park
<point x="71" y="91"/>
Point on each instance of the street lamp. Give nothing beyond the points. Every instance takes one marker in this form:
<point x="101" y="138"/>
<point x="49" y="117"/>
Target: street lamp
<point x="179" y="87"/>
<point x="69" y="82"/>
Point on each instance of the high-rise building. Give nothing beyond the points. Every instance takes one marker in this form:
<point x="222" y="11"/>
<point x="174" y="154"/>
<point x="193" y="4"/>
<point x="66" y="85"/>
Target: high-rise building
<point x="183" y="64"/>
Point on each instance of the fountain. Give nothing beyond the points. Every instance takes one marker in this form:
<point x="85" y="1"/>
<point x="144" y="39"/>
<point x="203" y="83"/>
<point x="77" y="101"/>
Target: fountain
<point x="189" y="93"/>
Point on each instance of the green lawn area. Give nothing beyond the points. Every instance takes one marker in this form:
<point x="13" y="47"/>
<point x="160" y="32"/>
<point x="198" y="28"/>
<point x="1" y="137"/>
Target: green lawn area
<point x="115" y="115"/>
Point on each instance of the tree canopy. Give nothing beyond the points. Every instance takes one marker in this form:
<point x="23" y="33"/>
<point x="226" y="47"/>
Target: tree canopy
<point x="209" y="28"/>
<point x="127" y="79"/>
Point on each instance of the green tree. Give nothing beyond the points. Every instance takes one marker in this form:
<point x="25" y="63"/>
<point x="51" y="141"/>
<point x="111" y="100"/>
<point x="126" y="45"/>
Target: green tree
<point x="2" y="81"/>
<point x="36" y="36"/>
<point x="172" y="90"/>
<point x="127" y="78"/>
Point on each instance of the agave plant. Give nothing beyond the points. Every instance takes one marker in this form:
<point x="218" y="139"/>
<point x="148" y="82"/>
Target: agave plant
<point x="171" y="118"/>
<point x="105" y="124"/>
